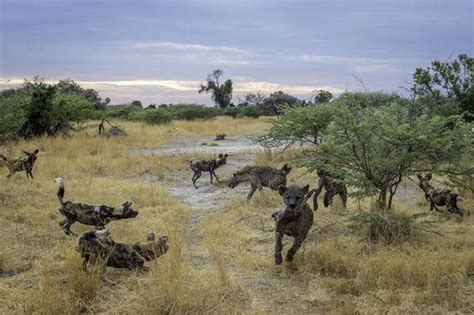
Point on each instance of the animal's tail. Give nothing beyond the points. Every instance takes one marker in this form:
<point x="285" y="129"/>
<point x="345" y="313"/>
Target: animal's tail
<point x="60" y="193"/>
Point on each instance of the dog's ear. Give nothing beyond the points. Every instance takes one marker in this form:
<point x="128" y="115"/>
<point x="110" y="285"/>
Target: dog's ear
<point x="282" y="189"/>
<point x="27" y="153"/>
<point x="126" y="204"/>
<point x="419" y="176"/>
<point x="36" y="151"/>
<point x="305" y="189"/>
<point x="428" y="176"/>
<point x="226" y="155"/>
<point x="163" y="239"/>
<point x="220" y="156"/>
<point x="151" y="237"/>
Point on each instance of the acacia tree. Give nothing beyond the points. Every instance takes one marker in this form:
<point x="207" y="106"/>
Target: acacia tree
<point x="372" y="148"/>
<point x="221" y="93"/>
<point x="447" y="87"/>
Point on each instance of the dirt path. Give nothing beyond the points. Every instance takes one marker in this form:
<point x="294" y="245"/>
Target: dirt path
<point x="263" y="286"/>
<point x="275" y="290"/>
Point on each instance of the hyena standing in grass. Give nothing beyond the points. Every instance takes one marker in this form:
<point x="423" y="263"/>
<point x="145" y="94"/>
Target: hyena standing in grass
<point x="97" y="216"/>
<point x="207" y="166"/>
<point x="97" y="246"/>
<point x="20" y="164"/>
<point x="295" y="220"/>
<point x="260" y="176"/>
<point x="439" y="197"/>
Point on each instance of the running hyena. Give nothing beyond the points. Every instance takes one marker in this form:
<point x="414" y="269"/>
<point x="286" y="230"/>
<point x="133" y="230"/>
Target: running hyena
<point x="97" y="216"/>
<point x="295" y="220"/>
<point x="21" y="164"/>
<point x="333" y="187"/>
<point x="260" y="176"/>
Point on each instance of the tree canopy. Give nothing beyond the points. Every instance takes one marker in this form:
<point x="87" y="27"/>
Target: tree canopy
<point x="221" y="93"/>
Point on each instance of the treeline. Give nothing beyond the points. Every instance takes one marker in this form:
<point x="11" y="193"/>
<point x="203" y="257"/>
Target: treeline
<point x="40" y="109"/>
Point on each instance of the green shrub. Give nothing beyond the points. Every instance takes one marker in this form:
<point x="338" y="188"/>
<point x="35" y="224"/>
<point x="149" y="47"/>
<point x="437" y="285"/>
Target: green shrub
<point x="250" y="111"/>
<point x="152" y="116"/>
<point x="117" y="111"/>
<point x="388" y="228"/>
<point x="193" y="111"/>
<point x="39" y="111"/>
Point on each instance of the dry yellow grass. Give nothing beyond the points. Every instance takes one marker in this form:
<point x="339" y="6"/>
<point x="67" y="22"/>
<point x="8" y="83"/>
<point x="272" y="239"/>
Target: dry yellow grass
<point x="334" y="273"/>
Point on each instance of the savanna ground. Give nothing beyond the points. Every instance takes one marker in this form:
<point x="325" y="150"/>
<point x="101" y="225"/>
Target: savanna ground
<point x="221" y="245"/>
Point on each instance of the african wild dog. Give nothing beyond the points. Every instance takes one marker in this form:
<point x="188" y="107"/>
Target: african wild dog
<point x="332" y="186"/>
<point x="21" y="164"/>
<point x="97" y="246"/>
<point x="97" y="216"/>
<point x="439" y="197"/>
<point x="260" y="176"/>
<point x="207" y="166"/>
<point x="295" y="220"/>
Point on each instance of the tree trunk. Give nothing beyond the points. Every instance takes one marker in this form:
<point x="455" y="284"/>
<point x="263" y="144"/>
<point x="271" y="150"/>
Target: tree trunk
<point x="382" y="200"/>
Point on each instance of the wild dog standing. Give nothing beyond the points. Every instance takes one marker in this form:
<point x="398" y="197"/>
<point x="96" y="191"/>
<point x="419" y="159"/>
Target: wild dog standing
<point x="21" y="164"/>
<point x="295" y="220"/>
<point x="332" y="187"/>
<point x="97" y="246"/>
<point x="260" y="176"/>
<point x="97" y="216"/>
<point x="439" y="197"/>
<point x="207" y="166"/>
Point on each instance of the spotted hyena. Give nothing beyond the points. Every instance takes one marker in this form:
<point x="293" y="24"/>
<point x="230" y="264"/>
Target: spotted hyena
<point x="207" y="166"/>
<point x="20" y="164"/>
<point x="97" y="216"/>
<point x="333" y="187"/>
<point x="260" y="176"/>
<point x="97" y="246"/>
<point x="295" y="220"/>
<point x="439" y="197"/>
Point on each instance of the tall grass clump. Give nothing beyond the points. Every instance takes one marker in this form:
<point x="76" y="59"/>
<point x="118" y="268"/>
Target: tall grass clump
<point x="388" y="228"/>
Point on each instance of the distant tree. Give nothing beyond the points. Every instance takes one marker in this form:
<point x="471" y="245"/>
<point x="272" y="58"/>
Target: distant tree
<point x="68" y="86"/>
<point x="221" y="93"/>
<point x="323" y="96"/>
<point x="163" y="106"/>
<point x="277" y="100"/>
<point x="447" y="86"/>
<point x="137" y="104"/>
<point x="252" y="99"/>
<point x="106" y="102"/>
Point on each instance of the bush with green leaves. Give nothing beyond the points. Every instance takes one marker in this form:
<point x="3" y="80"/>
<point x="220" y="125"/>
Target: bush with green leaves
<point x="40" y="110"/>
<point x="155" y="116"/>
<point x="447" y="87"/>
<point x="193" y="111"/>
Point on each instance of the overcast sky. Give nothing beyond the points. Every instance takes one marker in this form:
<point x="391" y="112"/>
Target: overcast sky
<point x="159" y="51"/>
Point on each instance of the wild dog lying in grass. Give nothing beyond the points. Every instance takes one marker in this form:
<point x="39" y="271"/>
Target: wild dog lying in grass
<point x="20" y="164"/>
<point x="332" y="187"/>
<point x="97" y="216"/>
<point x="295" y="220"/>
<point x="97" y="246"/>
<point x="207" y="166"/>
<point x="260" y="176"/>
<point x="439" y="197"/>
